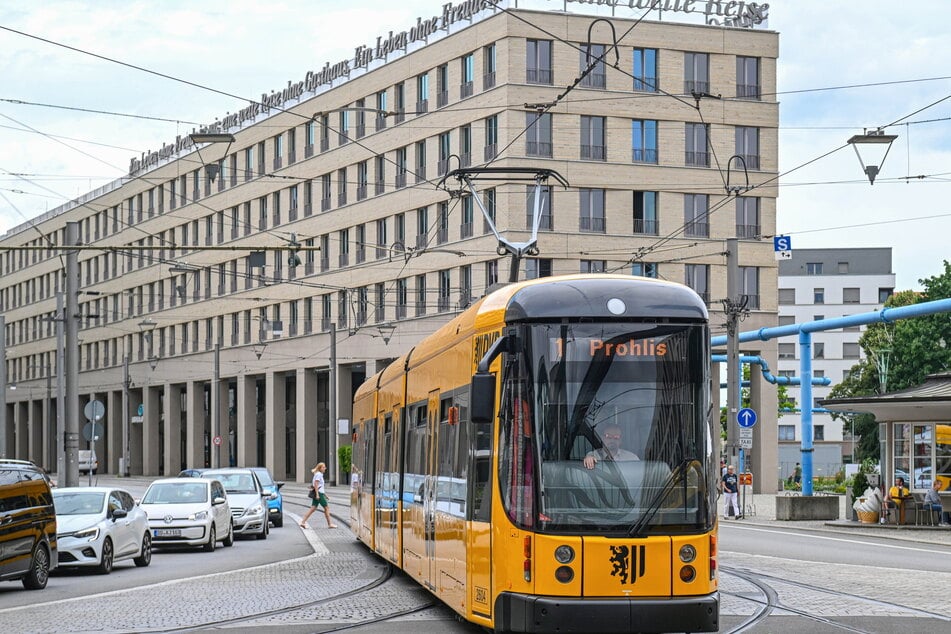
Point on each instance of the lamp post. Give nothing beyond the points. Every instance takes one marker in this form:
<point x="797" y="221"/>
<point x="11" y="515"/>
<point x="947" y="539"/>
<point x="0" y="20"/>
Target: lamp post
<point x="876" y="142"/>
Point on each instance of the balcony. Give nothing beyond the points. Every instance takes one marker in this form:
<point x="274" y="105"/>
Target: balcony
<point x="341" y="199"/>
<point x="488" y="80"/>
<point x="361" y="193"/>
<point x="361" y="130"/>
<point x="751" y="160"/>
<point x="594" y="80"/>
<point x="639" y="155"/>
<point x="490" y="152"/>
<point x="325" y="203"/>
<point x="465" y="230"/>
<point x="593" y="152"/>
<point x="442" y="167"/>
<point x="696" y="86"/>
<point x="697" y="159"/>
<point x="646" y="226"/>
<point x="400" y="115"/>
<point x="748" y="91"/>
<point x="747" y="231"/>
<point x="465" y="90"/>
<point x="380" y="123"/>
<point x="538" y="148"/>
<point x="442" y="98"/>
<point x="538" y="76"/>
<point x="697" y="229"/>
<point x="594" y="224"/>
<point x="421" y="106"/>
<point x="308" y="151"/>
<point x="645" y="84"/>
<point x="401" y="180"/>
<point x="324" y="144"/>
<point x="379" y="187"/>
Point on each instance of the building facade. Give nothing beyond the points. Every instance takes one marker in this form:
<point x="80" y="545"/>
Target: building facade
<point x="322" y="247"/>
<point x="823" y="284"/>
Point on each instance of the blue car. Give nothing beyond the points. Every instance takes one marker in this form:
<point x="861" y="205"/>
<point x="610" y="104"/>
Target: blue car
<point x="275" y="501"/>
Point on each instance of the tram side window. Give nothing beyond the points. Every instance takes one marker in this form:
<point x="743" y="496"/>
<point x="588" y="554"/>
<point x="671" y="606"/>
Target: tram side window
<point x="517" y="456"/>
<point x="417" y="448"/>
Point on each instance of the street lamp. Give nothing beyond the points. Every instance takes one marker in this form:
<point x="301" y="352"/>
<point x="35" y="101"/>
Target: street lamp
<point x="875" y="142"/>
<point x="211" y="169"/>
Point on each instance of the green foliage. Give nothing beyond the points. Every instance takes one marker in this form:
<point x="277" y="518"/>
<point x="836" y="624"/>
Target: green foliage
<point x="915" y="348"/>
<point x="345" y="456"/>
<point x="860" y="481"/>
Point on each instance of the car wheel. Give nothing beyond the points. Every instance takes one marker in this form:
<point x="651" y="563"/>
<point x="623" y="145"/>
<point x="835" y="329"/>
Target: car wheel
<point x="279" y="521"/>
<point x="229" y="540"/>
<point x="212" y="540"/>
<point x="145" y="557"/>
<point x="263" y="533"/>
<point x="39" y="572"/>
<point x="107" y="558"/>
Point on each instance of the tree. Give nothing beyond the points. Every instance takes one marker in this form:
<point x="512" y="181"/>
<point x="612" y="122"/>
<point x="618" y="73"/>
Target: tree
<point x="897" y="356"/>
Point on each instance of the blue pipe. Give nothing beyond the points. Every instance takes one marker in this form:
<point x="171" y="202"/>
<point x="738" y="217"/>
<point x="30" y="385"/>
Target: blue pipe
<point x="886" y="315"/>
<point x="767" y="375"/>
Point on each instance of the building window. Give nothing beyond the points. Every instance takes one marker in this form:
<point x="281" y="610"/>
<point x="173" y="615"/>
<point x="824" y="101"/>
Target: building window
<point x="363" y="170"/>
<point x="538" y="62"/>
<point x="818" y="296"/>
<point x="747" y="146"/>
<point x="442" y="85"/>
<point x="850" y="351"/>
<point x="644" y="141"/>
<point x="401" y="168"/>
<point x="591" y="208"/>
<point x="747" y="217"/>
<point x="491" y="273"/>
<point x="422" y="93"/>
<point x="696" y="73"/>
<point x="420" y="295"/>
<point x="644" y="269"/>
<point x="884" y="294"/>
<point x="786" y="320"/>
<point x="696" y="220"/>
<point x="445" y="150"/>
<point x="747" y="77"/>
<point x="695" y="150"/>
<point x="465" y="146"/>
<point x="592" y="138"/>
<point x="787" y="351"/>
<point x="537" y="267"/>
<point x="697" y="277"/>
<point x="379" y="183"/>
<point x="361" y="117"/>
<point x="488" y="66"/>
<point x="465" y="285"/>
<point x="645" y="69"/>
<point x="645" y="213"/>
<point x="538" y="134"/>
<point x="382" y="243"/>
<point x="442" y="223"/>
<point x="402" y="298"/>
<point x="491" y="137"/>
<point x="594" y="266"/>
<point x="818" y="350"/>
<point x="343" y="128"/>
<point x="420" y="161"/>
<point x="342" y="187"/>
<point x="545" y="218"/>
<point x="851" y="296"/>
<point x="381" y="110"/>
<point x="399" y="96"/>
<point x="324" y="132"/>
<point x="422" y="227"/>
<point x="819" y="432"/>
<point x="813" y="268"/>
<point x="445" y="290"/>
<point x="787" y="432"/>
<point x="592" y="55"/>
<point x="278" y="142"/>
<point x="749" y="286"/>
<point x="468" y="75"/>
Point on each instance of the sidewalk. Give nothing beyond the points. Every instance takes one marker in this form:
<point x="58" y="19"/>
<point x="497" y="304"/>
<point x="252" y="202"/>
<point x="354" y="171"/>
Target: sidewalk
<point x="760" y="509"/>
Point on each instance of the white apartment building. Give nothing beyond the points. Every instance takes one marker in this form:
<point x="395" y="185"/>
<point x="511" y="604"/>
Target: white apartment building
<point x="823" y="284"/>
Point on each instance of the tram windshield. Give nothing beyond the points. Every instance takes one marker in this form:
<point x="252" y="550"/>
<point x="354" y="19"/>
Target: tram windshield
<point x="605" y="428"/>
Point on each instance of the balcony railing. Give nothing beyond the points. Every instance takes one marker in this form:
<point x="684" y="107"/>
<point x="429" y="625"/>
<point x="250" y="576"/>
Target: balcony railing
<point x="644" y="155"/>
<point x="645" y="226"/>
<point x="645" y="84"/>
<point x="490" y="152"/>
<point x="591" y="224"/>
<point x="325" y="204"/>
<point x="698" y="159"/>
<point x="400" y="115"/>
<point x="324" y="264"/>
<point x="361" y="192"/>
<point x="343" y="259"/>
<point x="748" y="91"/>
<point x="324" y="144"/>
<point x="695" y="85"/>
<point x="538" y="148"/>
<point x="752" y="301"/>
<point x="400" y="311"/>
<point x="422" y="239"/>
<point x="442" y="235"/>
<point x="465" y="159"/>
<point x="488" y="80"/>
<point x="422" y="106"/>
<point x="442" y="98"/>
<point x="593" y="152"/>
<point x="277" y="162"/>
<point x="308" y="151"/>
<point x="361" y="130"/>
<point x="379" y="187"/>
<point x="401" y="180"/>
<point x="751" y="160"/>
<point x="442" y="167"/>
<point x="538" y="76"/>
<point x="420" y="173"/>
<point x="308" y="209"/>
<point x="465" y="230"/>
<point x="594" y="80"/>
<point x="465" y="90"/>
<point x="380" y="123"/>
<point x="341" y="199"/>
<point x="697" y="229"/>
<point x="442" y="304"/>
<point x="747" y="231"/>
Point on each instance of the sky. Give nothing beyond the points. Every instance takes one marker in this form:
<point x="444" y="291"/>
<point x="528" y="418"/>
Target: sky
<point x="844" y="66"/>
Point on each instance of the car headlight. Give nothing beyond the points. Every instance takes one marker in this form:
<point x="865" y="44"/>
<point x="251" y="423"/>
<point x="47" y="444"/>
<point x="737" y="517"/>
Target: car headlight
<point x="199" y="516"/>
<point x="92" y="534"/>
<point x="254" y="509"/>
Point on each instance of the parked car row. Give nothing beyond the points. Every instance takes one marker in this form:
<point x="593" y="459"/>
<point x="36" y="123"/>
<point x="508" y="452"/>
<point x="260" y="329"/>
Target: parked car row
<point x="42" y="527"/>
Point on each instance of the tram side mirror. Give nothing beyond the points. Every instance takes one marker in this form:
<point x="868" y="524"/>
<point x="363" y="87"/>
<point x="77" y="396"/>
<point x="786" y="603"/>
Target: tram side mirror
<point x="482" y="398"/>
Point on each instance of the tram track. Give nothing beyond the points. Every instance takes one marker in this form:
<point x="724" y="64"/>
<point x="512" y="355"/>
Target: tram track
<point x="770" y="603"/>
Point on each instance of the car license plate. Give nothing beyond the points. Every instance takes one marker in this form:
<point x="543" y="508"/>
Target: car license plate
<point x="168" y="532"/>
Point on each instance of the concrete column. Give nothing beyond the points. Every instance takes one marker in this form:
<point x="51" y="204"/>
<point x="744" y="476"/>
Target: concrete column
<point x="195" y="424"/>
<point x="222" y="428"/>
<point x="173" y="429"/>
<point x="21" y="420"/>
<point x="274" y="424"/>
<point x="9" y="424"/>
<point x="135" y="433"/>
<point x="35" y="431"/>
<point x="113" y="424"/>
<point x="765" y="432"/>
<point x="150" y="430"/>
<point x="344" y="412"/>
<point x="246" y="422"/>
<point x="48" y="423"/>
<point x="306" y="427"/>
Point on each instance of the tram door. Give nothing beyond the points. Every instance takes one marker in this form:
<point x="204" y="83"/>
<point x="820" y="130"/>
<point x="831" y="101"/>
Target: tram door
<point x="429" y="496"/>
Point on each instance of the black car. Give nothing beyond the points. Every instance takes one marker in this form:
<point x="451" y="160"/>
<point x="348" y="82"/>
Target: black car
<point x="191" y="473"/>
<point x="27" y="524"/>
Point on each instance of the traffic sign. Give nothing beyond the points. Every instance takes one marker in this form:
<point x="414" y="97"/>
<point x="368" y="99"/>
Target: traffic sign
<point x="94" y="410"/>
<point x="217" y="441"/>
<point x="746" y="432"/>
<point x="782" y="246"/>
<point x="746" y="443"/>
<point x="93" y="431"/>
<point x="746" y="417"/>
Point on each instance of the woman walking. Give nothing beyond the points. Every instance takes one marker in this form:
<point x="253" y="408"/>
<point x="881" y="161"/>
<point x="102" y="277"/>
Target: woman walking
<point x="317" y="496"/>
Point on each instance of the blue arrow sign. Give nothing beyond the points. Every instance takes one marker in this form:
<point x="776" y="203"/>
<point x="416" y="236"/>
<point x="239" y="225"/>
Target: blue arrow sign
<point x="746" y="417"/>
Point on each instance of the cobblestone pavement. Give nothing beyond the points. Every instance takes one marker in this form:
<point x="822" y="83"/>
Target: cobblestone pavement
<point x="340" y="564"/>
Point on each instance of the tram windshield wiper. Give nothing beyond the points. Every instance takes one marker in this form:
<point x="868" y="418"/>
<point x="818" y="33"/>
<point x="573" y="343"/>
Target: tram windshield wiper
<point x="676" y="475"/>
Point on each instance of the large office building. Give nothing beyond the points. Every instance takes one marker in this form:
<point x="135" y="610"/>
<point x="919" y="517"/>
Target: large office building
<point x="819" y="284"/>
<point x="252" y="284"/>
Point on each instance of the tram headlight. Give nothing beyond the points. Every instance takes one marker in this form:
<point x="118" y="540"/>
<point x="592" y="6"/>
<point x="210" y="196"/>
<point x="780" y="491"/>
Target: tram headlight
<point x="687" y="553"/>
<point x="564" y="554"/>
<point x="564" y="574"/>
<point x="688" y="574"/>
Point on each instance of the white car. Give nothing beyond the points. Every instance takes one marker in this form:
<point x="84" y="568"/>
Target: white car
<point x="98" y="526"/>
<point x="247" y="498"/>
<point x="188" y="512"/>
<point x="88" y="461"/>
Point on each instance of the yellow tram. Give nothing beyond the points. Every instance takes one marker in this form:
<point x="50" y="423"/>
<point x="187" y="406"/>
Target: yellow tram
<point x="546" y="461"/>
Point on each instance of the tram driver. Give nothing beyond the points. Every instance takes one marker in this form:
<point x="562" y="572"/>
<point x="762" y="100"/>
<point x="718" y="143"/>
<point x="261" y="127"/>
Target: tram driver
<point x="610" y="449"/>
